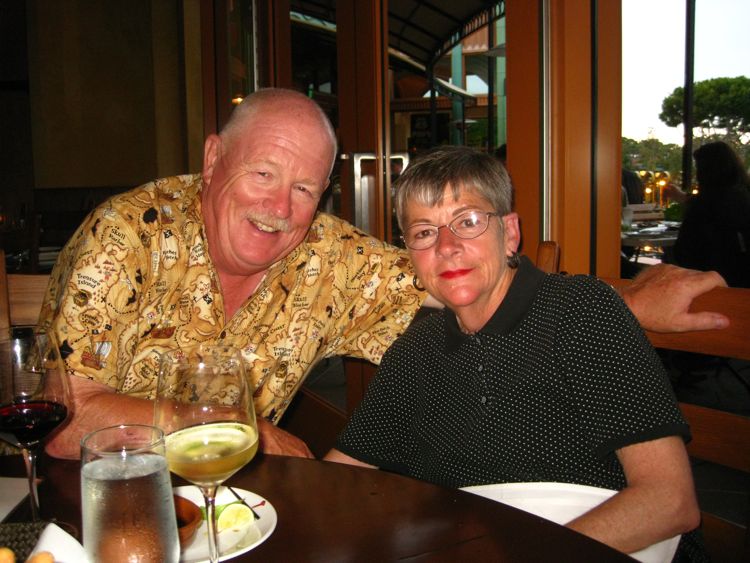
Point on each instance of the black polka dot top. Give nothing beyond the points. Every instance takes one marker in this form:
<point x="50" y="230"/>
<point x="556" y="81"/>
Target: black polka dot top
<point x="559" y="379"/>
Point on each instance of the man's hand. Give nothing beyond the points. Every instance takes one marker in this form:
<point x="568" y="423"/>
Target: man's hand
<point x="660" y="299"/>
<point x="276" y="441"/>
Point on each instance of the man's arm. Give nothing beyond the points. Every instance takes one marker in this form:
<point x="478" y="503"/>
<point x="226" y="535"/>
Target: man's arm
<point x="340" y="457"/>
<point x="660" y="299"/>
<point x="274" y="440"/>
<point x="96" y="406"/>
<point x="658" y="503"/>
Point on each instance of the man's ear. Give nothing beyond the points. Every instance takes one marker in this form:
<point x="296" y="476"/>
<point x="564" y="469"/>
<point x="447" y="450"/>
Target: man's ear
<point x="211" y="152"/>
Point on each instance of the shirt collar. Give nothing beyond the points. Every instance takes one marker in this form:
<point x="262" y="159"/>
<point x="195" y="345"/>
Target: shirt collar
<point x="509" y="314"/>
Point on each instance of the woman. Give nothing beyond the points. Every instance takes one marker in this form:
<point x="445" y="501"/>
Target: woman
<point x="715" y="231"/>
<point x="523" y="376"/>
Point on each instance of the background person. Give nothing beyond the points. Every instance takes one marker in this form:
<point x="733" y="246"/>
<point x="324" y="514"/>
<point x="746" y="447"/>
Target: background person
<point x="523" y="376"/>
<point x="715" y="230"/>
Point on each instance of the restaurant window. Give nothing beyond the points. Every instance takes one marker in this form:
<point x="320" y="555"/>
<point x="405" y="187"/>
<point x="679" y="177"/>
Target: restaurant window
<point x="654" y="73"/>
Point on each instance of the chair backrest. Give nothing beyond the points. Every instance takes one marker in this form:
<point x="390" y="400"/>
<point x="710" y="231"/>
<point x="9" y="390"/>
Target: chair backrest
<point x="21" y="297"/>
<point x="719" y="437"/>
<point x="25" y="296"/>
<point x="548" y="256"/>
<point x="4" y="305"/>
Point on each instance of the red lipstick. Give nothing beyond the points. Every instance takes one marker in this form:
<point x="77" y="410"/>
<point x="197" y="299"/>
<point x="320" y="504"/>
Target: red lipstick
<point x="450" y="274"/>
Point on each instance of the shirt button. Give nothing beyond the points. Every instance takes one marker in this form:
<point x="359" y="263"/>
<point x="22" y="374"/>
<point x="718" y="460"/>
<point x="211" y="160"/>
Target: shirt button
<point x="483" y="400"/>
<point x="480" y="367"/>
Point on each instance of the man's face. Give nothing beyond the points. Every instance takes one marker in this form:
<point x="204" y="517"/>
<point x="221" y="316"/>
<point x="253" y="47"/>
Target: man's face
<point x="262" y="187"/>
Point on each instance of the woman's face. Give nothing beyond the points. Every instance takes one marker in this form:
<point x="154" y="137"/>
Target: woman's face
<point x="470" y="276"/>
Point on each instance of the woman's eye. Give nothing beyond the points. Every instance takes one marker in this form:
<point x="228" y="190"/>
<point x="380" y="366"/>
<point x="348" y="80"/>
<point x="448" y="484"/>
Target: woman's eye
<point x="424" y="233"/>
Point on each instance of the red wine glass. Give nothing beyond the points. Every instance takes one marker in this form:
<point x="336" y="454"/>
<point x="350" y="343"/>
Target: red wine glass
<point x="34" y="396"/>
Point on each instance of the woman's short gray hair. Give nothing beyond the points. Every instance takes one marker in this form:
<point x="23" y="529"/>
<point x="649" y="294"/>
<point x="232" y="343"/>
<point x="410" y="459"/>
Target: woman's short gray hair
<point x="464" y="169"/>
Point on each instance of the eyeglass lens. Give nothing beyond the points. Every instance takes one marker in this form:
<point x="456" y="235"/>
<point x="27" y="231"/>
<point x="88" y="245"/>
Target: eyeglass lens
<point x="467" y="226"/>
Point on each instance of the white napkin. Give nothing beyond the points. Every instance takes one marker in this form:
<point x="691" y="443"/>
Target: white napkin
<point x="63" y="547"/>
<point x="12" y="491"/>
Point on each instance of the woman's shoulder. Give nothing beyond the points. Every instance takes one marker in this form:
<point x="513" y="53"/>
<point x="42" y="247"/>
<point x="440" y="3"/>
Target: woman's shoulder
<point x="579" y="294"/>
<point x="427" y="328"/>
<point x="578" y="285"/>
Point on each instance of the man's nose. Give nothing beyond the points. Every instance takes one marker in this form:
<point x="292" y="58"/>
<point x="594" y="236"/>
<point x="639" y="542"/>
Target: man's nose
<point x="279" y="202"/>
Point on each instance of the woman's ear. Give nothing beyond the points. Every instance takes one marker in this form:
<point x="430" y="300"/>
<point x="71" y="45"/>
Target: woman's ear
<point x="511" y="232"/>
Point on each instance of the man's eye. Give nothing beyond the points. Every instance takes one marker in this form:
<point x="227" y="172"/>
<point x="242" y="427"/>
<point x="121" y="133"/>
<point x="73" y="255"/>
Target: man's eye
<point x="302" y="189"/>
<point x="262" y="173"/>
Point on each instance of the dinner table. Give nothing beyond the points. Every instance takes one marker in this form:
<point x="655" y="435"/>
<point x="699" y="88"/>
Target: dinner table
<point x="653" y="234"/>
<point x="330" y="512"/>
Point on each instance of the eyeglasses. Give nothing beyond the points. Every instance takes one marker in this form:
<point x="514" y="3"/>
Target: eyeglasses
<point x="466" y="226"/>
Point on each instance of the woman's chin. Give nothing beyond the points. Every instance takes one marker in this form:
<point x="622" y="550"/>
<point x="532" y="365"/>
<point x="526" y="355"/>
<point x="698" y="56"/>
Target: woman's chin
<point x="460" y="302"/>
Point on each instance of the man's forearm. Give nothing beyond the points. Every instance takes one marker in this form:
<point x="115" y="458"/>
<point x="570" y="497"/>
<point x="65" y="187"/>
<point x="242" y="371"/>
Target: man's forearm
<point x="96" y="406"/>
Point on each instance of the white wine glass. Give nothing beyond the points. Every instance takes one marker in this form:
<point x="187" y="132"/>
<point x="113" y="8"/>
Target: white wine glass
<point x="34" y="396"/>
<point x="204" y="406"/>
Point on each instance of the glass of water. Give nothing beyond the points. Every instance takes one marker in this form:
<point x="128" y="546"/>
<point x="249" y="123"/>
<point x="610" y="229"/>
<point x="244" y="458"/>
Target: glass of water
<point x="126" y="496"/>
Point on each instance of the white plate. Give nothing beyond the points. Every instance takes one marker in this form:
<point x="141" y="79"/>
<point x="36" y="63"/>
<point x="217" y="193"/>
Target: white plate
<point x="231" y="543"/>
<point x="563" y="502"/>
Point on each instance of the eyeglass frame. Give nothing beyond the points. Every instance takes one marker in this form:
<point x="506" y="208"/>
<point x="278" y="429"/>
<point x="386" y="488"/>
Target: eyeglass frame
<point x="450" y="227"/>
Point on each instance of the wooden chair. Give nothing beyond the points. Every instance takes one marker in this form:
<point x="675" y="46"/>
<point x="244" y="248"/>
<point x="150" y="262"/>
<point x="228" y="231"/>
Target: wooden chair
<point x="718" y="437"/>
<point x="4" y="305"/>
<point x="548" y="256"/>
<point x="21" y="297"/>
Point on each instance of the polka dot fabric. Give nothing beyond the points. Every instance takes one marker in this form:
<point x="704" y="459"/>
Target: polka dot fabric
<point x="560" y="378"/>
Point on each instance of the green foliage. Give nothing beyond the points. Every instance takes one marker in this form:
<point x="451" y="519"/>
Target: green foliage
<point x="651" y="154"/>
<point x="721" y="108"/>
<point x="673" y="212"/>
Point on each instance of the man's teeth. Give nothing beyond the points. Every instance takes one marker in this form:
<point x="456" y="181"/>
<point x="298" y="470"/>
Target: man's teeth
<point x="264" y="228"/>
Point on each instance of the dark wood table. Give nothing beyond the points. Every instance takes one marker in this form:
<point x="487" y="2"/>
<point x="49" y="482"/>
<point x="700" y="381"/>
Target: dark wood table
<point x="329" y="512"/>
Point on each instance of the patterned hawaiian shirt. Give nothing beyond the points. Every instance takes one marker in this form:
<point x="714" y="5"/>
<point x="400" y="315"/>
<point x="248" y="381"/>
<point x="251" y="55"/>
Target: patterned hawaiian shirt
<point x="136" y="279"/>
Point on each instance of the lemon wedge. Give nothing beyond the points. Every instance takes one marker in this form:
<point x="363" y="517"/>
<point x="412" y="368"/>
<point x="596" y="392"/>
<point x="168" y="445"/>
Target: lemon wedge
<point x="235" y="517"/>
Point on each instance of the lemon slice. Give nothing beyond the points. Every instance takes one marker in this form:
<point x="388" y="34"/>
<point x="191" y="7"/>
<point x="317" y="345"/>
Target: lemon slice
<point x="235" y="517"/>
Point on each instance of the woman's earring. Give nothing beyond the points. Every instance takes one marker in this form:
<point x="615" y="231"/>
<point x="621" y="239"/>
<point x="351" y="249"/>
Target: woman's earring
<point x="514" y="260"/>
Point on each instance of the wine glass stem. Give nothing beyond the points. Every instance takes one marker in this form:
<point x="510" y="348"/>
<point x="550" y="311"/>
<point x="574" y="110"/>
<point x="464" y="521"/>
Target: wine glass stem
<point x="209" y="497"/>
<point x="29" y="458"/>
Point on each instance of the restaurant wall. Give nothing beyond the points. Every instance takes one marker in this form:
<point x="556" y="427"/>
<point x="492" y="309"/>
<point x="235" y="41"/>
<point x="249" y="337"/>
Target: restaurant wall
<point x="105" y="91"/>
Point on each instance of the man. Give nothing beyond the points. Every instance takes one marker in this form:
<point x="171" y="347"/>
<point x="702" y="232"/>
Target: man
<point x="239" y="255"/>
<point x="236" y="255"/>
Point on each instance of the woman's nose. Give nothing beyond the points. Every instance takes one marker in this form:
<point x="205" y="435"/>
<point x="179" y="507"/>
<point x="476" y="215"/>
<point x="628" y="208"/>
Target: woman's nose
<point x="447" y="241"/>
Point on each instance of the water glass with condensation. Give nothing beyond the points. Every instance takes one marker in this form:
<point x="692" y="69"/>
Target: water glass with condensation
<point x="126" y="496"/>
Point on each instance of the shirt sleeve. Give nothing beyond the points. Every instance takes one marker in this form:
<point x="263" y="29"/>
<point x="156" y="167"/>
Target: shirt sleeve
<point x="615" y="379"/>
<point x="374" y="293"/>
<point x="92" y="299"/>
